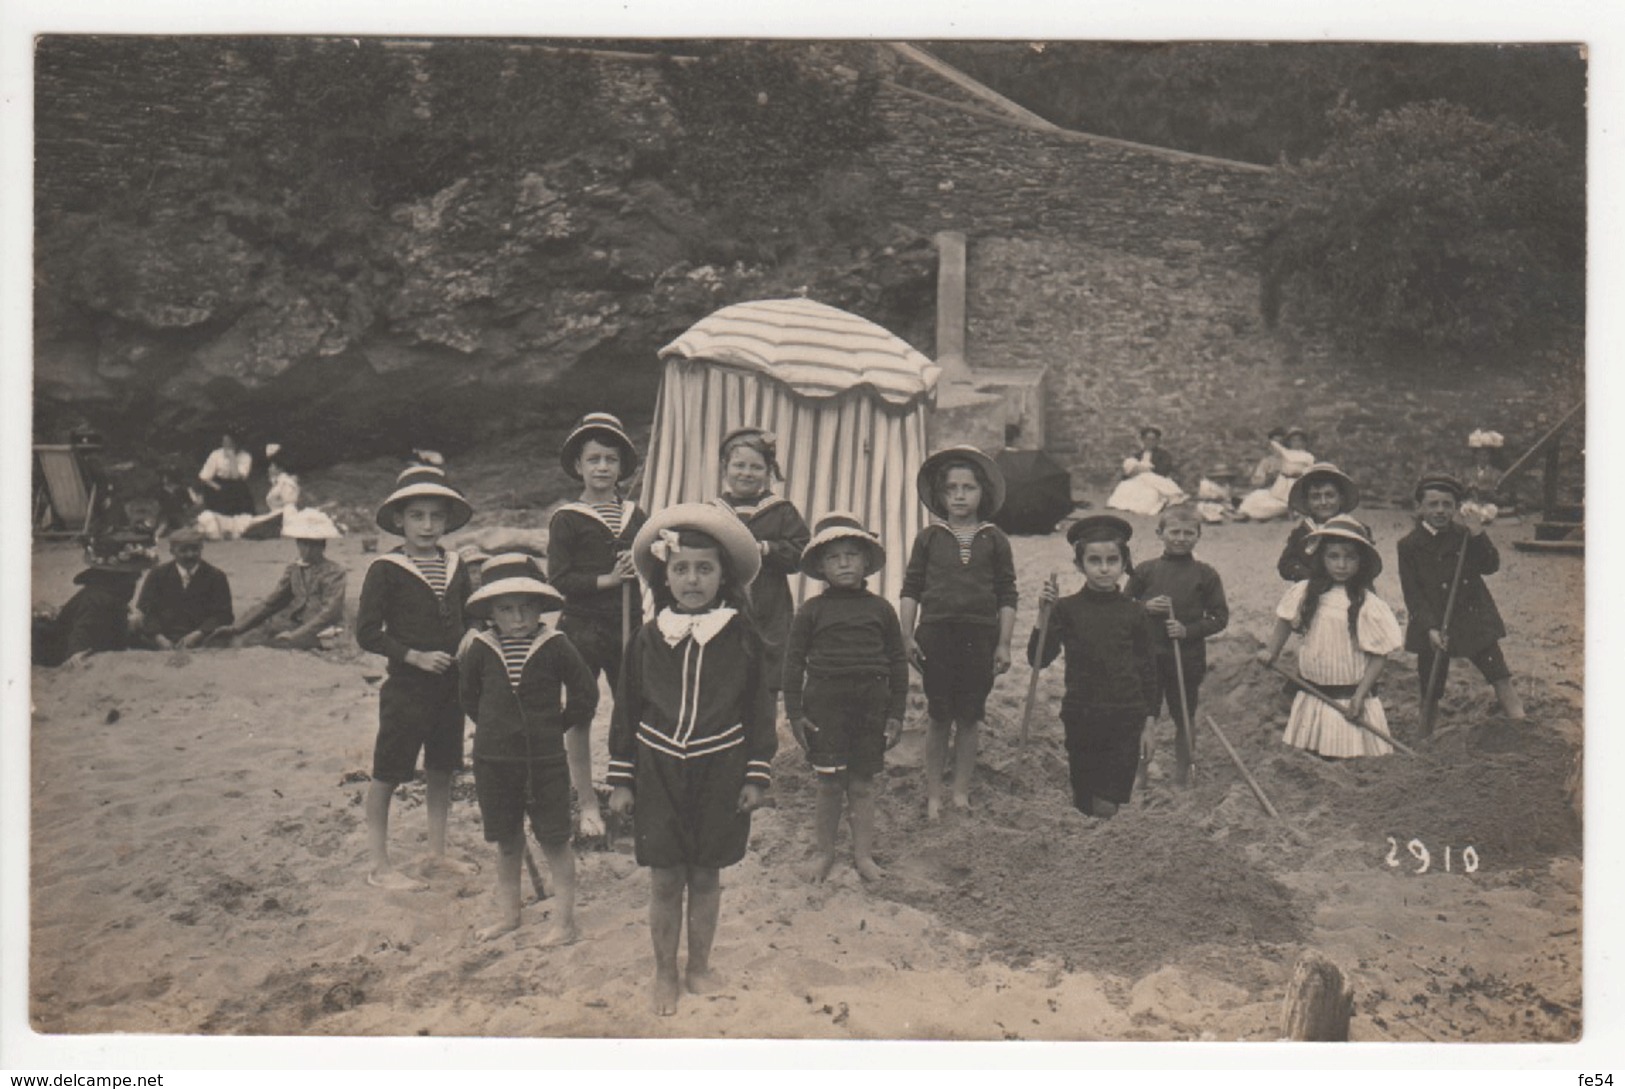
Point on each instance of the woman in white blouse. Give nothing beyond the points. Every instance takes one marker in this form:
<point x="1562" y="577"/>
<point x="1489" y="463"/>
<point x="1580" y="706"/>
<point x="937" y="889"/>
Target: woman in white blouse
<point x="224" y="478"/>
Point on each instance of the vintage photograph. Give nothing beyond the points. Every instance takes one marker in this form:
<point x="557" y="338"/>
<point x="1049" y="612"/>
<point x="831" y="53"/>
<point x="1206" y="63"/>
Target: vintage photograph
<point x="953" y="540"/>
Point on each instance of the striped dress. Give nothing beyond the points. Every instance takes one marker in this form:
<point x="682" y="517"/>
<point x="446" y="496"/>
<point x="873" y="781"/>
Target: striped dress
<point x="1329" y="657"/>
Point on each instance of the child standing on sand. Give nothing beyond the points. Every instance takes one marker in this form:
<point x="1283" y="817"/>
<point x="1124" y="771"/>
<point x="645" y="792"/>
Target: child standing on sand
<point x="1111" y="667"/>
<point x="1348" y="632"/>
<point x="411" y="612"/>
<point x="589" y="560"/>
<point x="693" y="737"/>
<point x="1185" y="598"/>
<point x="845" y="685"/>
<point x="1428" y="558"/>
<point x="750" y="464"/>
<point x="1319" y="494"/>
<point x="511" y="679"/>
<point x="961" y="587"/>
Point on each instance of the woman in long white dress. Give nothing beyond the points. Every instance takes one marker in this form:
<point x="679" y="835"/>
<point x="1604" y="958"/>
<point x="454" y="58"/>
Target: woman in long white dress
<point x="1265" y="504"/>
<point x="1147" y="485"/>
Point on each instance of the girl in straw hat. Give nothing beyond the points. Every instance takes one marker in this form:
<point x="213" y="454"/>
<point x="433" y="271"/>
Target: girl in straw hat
<point x="845" y="685"/>
<point x="512" y="678"/>
<point x="411" y="612"/>
<point x="693" y="737"/>
<point x="1318" y="495"/>
<point x="589" y="561"/>
<point x="1348" y="633"/>
<point x="960" y="585"/>
<point x="749" y="466"/>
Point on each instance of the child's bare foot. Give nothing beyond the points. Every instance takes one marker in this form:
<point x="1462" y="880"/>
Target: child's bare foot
<point x="962" y="802"/>
<point x="497" y="929"/>
<point x="867" y="869"/>
<point x="561" y="933"/>
<point x="592" y="822"/>
<point x="663" y="995"/>
<point x="816" y="870"/>
<point x="933" y="808"/>
<point x="395" y="881"/>
<point x="704" y="981"/>
<point x="447" y="866"/>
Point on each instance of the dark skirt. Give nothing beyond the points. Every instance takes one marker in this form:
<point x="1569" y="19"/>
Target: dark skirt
<point x="686" y="812"/>
<point x="1103" y="753"/>
<point x="228" y="497"/>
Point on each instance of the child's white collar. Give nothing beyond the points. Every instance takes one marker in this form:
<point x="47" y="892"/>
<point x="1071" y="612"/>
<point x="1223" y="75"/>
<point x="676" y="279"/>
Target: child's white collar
<point x="701" y="627"/>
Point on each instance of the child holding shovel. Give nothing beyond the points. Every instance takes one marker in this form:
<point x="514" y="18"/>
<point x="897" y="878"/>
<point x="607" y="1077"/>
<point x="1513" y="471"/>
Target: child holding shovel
<point x="1348" y="632"/>
<point x="1185" y="598"/>
<point x="589" y="561"/>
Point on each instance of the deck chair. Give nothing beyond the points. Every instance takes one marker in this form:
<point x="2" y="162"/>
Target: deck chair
<point x="64" y="498"/>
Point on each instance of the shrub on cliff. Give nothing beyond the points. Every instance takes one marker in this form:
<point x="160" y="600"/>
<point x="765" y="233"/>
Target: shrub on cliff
<point x="1428" y="227"/>
<point x="759" y="120"/>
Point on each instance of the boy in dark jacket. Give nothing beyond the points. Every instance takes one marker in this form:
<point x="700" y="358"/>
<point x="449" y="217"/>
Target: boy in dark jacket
<point x="511" y="680"/>
<point x="411" y="612"/>
<point x="1427" y="563"/>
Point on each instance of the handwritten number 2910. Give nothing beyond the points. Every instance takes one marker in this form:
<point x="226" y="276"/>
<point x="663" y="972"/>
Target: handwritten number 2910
<point x="1418" y="850"/>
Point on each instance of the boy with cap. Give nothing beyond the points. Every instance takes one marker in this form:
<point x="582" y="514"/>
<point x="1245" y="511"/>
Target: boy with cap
<point x="845" y="685"/>
<point x="1428" y="558"/>
<point x="411" y="612"/>
<point x="96" y="618"/>
<point x="511" y="678"/>
<point x="184" y="601"/>
<point x="308" y="599"/>
<point x="589" y="561"/>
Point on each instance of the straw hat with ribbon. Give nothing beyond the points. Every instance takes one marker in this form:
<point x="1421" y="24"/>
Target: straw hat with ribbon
<point x="606" y="429"/>
<point x="1322" y="472"/>
<point x="927" y="479"/>
<point x="309" y="524"/>
<point x="422" y="482"/>
<point x="512" y="573"/>
<point x="1343" y="528"/>
<point x="841" y="525"/>
<point x="659" y="535"/>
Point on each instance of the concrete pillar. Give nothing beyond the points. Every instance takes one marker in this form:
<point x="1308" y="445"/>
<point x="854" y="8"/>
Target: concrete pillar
<point x="951" y="306"/>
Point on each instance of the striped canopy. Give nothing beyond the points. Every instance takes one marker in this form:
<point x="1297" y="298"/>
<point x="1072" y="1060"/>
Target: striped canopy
<point x="816" y="350"/>
<point x="846" y="399"/>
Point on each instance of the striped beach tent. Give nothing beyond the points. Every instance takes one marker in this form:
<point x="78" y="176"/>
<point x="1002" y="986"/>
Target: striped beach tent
<point x="847" y="400"/>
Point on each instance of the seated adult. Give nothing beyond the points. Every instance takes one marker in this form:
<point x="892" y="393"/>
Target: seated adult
<point x="308" y="600"/>
<point x="224" y="479"/>
<point x="97" y="617"/>
<point x="184" y="600"/>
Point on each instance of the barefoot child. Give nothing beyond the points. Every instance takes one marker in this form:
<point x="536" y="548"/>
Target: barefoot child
<point x="1348" y="632"/>
<point x="749" y="466"/>
<point x="1111" y="667"/>
<point x="589" y="560"/>
<point x="693" y="735"/>
<point x="961" y="586"/>
<point x="845" y="685"/>
<point x="1427" y="563"/>
<point x="1318" y="495"/>
<point x="1185" y="598"/>
<point x="511" y="678"/>
<point x="411" y="612"/>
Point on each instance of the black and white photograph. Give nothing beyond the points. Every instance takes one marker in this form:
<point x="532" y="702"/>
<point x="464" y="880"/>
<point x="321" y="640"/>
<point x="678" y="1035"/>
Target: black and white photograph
<point x="815" y="538"/>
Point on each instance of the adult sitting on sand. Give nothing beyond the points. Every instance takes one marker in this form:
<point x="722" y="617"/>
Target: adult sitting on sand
<point x="309" y="598"/>
<point x="184" y="600"/>
<point x="224" y="478"/>
<point x="97" y="617"/>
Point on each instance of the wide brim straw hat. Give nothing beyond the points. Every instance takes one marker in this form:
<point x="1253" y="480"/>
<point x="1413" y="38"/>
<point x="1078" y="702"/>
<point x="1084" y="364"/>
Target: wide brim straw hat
<point x="841" y="525"/>
<point x="423" y="482"/>
<point x="512" y="573"/>
<point x="1099" y="527"/>
<point x="1298" y="498"/>
<point x="923" y="481"/>
<point x="606" y="429"/>
<point x="309" y="524"/>
<point x="1344" y="528"/>
<point x="744" y="555"/>
<point x="1442" y="481"/>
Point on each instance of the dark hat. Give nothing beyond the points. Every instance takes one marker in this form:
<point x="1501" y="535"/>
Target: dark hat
<point x="1099" y="527"/>
<point x="744" y="554"/>
<point x="763" y="442"/>
<point x="418" y="482"/>
<point x="1319" y="472"/>
<point x="925" y="479"/>
<point x="1298" y="430"/>
<point x="841" y="525"/>
<point x="1152" y="428"/>
<point x="1441" y="481"/>
<point x="1343" y="528"/>
<point x="512" y="573"/>
<point x="606" y="429"/>
<point x="129" y="551"/>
